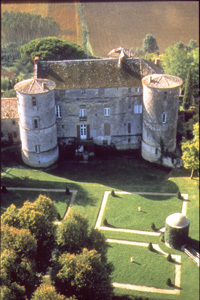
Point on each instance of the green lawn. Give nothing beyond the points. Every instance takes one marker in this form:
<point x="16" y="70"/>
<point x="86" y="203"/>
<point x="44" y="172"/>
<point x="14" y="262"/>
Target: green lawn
<point x="146" y="270"/>
<point x="122" y="211"/>
<point x="128" y="173"/>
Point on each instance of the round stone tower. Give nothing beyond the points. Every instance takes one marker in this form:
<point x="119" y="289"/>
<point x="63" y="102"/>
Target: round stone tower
<point x="176" y="230"/>
<point x="160" y="115"/>
<point x="38" y="132"/>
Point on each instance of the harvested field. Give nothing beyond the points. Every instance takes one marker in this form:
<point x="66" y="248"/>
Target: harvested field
<point x="114" y="24"/>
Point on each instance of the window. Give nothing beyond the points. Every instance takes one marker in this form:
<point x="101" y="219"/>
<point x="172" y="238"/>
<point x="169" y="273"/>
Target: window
<point x="129" y="127"/>
<point x="165" y="95"/>
<point x="156" y="151"/>
<point x="164" y="117"/>
<point x="82" y="111"/>
<point x="129" y="140"/>
<point x="34" y="103"/>
<point x="63" y="126"/>
<point x="106" y="111"/>
<point x="137" y="90"/>
<point x="13" y="122"/>
<point x="35" y="123"/>
<point x="83" y="131"/>
<point x="15" y="135"/>
<point x="137" y="108"/>
<point x="37" y="148"/>
<point x="58" y="111"/>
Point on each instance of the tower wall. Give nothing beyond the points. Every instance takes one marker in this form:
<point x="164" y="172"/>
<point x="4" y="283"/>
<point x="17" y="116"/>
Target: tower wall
<point x="38" y="128"/>
<point x="160" y="115"/>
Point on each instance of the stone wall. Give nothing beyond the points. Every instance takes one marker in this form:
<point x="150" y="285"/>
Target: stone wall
<point x="38" y="128"/>
<point x="119" y="125"/>
<point x="9" y="120"/>
<point x="160" y="117"/>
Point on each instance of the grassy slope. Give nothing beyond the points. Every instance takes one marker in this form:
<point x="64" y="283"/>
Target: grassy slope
<point x="125" y="173"/>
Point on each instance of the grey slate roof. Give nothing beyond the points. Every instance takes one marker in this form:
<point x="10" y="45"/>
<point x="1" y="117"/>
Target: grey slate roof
<point x="34" y="86"/>
<point x="95" y="73"/>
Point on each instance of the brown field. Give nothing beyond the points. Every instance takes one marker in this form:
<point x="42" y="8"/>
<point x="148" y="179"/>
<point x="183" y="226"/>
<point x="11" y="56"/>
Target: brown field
<point x="114" y="24"/>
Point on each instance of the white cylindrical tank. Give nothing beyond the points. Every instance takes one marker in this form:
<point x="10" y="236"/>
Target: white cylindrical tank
<point x="160" y="115"/>
<point x="36" y="108"/>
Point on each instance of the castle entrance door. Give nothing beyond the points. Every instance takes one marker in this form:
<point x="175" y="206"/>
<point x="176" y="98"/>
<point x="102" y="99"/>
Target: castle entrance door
<point x="83" y="132"/>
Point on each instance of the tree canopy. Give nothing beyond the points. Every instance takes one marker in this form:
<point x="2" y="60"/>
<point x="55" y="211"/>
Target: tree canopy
<point x="83" y="275"/>
<point x="190" y="149"/>
<point x="52" y="49"/>
<point x="178" y="59"/>
<point x="149" y="44"/>
<point x="19" y="28"/>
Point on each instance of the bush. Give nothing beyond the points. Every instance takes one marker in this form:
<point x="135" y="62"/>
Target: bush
<point x="150" y="246"/>
<point x="105" y="222"/>
<point x="169" y="258"/>
<point x="113" y="193"/>
<point x="179" y="196"/>
<point x="153" y="227"/>
<point x="169" y="283"/>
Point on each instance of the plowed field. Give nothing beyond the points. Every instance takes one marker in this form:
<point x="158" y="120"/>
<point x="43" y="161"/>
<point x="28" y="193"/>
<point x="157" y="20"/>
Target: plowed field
<point x="114" y="24"/>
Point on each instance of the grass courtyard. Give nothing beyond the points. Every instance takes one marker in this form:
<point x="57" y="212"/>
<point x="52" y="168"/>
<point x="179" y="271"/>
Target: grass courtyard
<point x="145" y="262"/>
<point x="132" y="174"/>
<point x="122" y="211"/>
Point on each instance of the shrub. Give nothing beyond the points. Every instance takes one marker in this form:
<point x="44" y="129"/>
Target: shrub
<point x="179" y="196"/>
<point x="105" y="222"/>
<point x="153" y="227"/>
<point x="113" y="193"/>
<point x="150" y="246"/>
<point x="169" y="258"/>
<point x="169" y="283"/>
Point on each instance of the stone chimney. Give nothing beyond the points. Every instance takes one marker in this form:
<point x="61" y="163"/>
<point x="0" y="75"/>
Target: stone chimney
<point x="36" y="59"/>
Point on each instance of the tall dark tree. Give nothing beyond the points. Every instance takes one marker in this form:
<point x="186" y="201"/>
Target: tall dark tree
<point x="187" y="99"/>
<point x="149" y="44"/>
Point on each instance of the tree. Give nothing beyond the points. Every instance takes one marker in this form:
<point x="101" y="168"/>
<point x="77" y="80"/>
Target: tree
<point x="47" y="207"/>
<point x="149" y="44"/>
<point x="47" y="291"/>
<point x="20" y="27"/>
<point x="52" y="49"/>
<point x="187" y="99"/>
<point x="32" y="216"/>
<point x="190" y="149"/>
<point x="97" y="241"/>
<point x="18" y="260"/>
<point x="83" y="275"/>
<point x="177" y="60"/>
<point x="72" y="234"/>
<point x="18" y="240"/>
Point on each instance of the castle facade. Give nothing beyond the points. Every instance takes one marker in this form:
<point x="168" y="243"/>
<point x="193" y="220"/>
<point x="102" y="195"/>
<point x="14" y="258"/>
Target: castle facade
<point x="131" y="106"/>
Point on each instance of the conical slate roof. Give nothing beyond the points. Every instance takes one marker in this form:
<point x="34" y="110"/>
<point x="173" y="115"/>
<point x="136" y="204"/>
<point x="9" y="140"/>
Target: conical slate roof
<point x="177" y="220"/>
<point x="35" y="86"/>
<point x="162" y="81"/>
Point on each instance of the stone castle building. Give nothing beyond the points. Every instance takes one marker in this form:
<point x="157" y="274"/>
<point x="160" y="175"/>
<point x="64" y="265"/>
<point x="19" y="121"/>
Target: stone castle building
<point x="130" y="105"/>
